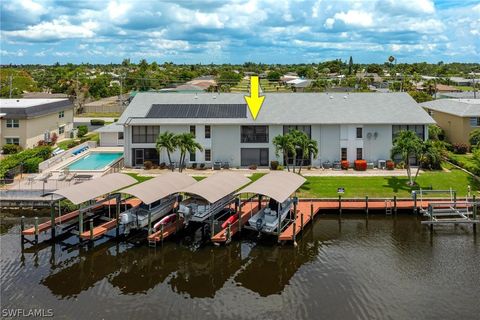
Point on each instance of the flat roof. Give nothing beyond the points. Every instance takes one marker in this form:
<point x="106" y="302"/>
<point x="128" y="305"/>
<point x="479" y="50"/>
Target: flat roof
<point x="457" y="107"/>
<point x="92" y="189"/>
<point x="217" y="186"/>
<point x="160" y="187"/>
<point x="113" y="127"/>
<point x="276" y="185"/>
<point x="29" y="108"/>
<point x="287" y="108"/>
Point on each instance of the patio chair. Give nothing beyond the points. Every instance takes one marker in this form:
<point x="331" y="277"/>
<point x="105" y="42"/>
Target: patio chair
<point x="63" y="175"/>
<point x="44" y="176"/>
<point x="70" y="177"/>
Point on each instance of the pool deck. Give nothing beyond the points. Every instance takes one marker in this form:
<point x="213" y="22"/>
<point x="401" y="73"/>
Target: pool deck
<point x="59" y="166"/>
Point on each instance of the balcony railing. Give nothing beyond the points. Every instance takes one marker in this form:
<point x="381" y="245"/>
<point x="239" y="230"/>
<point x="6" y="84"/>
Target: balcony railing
<point x="256" y="138"/>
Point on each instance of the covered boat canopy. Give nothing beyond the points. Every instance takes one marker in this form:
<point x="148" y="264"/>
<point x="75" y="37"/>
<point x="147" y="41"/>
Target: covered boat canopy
<point x="217" y="186"/>
<point x="160" y="187"/>
<point x="92" y="189"/>
<point x="276" y="185"/>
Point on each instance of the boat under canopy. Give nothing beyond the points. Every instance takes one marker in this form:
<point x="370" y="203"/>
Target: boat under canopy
<point x="92" y="189"/>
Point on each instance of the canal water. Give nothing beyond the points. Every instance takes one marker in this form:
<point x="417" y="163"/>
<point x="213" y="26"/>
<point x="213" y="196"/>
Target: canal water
<point x="380" y="268"/>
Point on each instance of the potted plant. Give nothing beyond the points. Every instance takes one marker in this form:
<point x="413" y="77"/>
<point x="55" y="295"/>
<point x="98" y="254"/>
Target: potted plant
<point x="360" y="165"/>
<point x="345" y="164"/>
<point x="390" y="165"/>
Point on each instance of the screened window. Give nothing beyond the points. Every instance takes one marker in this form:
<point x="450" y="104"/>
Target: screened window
<point x="61" y="130"/>
<point x="305" y="129"/>
<point x="13" y="123"/>
<point x="475" y="122"/>
<point x="12" y="141"/>
<point x="254" y="134"/>
<point x="208" y="155"/>
<point x="61" y="114"/>
<point x="193" y="157"/>
<point x="208" y="132"/>
<point x="359" y="133"/>
<point x="418" y="129"/>
<point x="359" y="153"/>
<point x="145" y="134"/>
<point x="120" y="136"/>
<point x="192" y="130"/>
<point x="343" y="154"/>
<point x="254" y="156"/>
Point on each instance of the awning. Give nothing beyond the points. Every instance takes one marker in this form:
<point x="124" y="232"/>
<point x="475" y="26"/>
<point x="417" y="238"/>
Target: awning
<point x="276" y="185"/>
<point x="92" y="189"/>
<point x="160" y="187"/>
<point x="217" y="186"/>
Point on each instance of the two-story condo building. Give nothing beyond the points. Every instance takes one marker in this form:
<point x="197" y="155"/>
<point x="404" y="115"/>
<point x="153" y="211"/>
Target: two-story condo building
<point x="27" y="121"/>
<point x="345" y="126"/>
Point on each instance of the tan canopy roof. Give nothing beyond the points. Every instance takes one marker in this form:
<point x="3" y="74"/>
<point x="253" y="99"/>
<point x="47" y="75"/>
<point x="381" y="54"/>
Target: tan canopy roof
<point x="160" y="187"/>
<point x="95" y="188"/>
<point x="276" y="185"/>
<point x="217" y="186"/>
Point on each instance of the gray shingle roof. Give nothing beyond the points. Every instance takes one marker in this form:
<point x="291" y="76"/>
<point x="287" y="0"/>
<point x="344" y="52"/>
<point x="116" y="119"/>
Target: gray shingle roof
<point x="30" y="108"/>
<point x="457" y="107"/>
<point x="291" y="108"/>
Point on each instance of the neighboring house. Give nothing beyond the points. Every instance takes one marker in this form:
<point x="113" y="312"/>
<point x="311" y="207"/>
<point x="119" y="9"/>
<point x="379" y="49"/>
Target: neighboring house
<point x="459" y="95"/>
<point x="27" y="121"/>
<point x="460" y="81"/>
<point x="111" y="135"/>
<point x="345" y="126"/>
<point x="299" y="84"/>
<point x="457" y="117"/>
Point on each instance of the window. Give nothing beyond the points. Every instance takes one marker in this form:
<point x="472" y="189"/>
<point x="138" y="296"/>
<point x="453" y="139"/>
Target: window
<point x="12" y="141"/>
<point x="13" y="123"/>
<point x="207" y="132"/>
<point x="475" y="122"/>
<point x="120" y="136"/>
<point x="208" y="155"/>
<point x="254" y="156"/>
<point x="61" y="130"/>
<point x="305" y="129"/>
<point x="254" y="134"/>
<point x="192" y="157"/>
<point x="343" y="154"/>
<point x="418" y="129"/>
<point x="61" y="114"/>
<point x="359" y="133"/>
<point x="192" y="130"/>
<point x="359" y="153"/>
<point x="145" y="134"/>
<point x="147" y="154"/>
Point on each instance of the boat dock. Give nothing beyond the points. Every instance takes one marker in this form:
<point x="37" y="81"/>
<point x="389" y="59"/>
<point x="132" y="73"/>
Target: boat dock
<point x="306" y="212"/>
<point x="246" y="211"/>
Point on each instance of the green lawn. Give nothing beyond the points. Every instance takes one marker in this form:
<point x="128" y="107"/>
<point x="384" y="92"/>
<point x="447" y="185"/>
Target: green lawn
<point x="92" y="136"/>
<point x="464" y="88"/>
<point x="378" y="187"/>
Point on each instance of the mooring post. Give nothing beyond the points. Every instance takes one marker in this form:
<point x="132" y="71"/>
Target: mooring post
<point x="161" y="233"/>
<point x="414" y="202"/>
<point x="311" y="211"/>
<point x="91" y="229"/>
<point x="229" y="232"/>
<point x="301" y="221"/>
<point x="177" y="221"/>
<point x="52" y="219"/>
<point x="259" y="201"/>
<point x="455" y="199"/>
<point x="238" y="213"/>
<point x="366" y="205"/>
<point x="430" y="213"/>
<point x="149" y="226"/>
<point x="22" y="228"/>
<point x="118" y="200"/>
<point x="36" y="229"/>
<point x="340" y="204"/>
<point x="474" y="213"/>
<point x="395" y="204"/>
<point x="294" y="236"/>
<point x="80" y="223"/>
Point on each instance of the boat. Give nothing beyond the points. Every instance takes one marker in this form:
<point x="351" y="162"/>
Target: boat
<point x="171" y="218"/>
<point x="231" y="220"/>
<point x="269" y="218"/>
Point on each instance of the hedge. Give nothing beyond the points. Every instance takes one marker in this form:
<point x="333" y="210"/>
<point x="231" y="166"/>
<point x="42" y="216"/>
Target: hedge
<point x="26" y="156"/>
<point x="97" y="122"/>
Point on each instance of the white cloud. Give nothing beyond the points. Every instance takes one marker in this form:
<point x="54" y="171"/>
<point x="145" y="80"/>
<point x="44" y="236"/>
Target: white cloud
<point x="118" y="10"/>
<point x="355" y="18"/>
<point x="18" y="53"/>
<point x="329" y="23"/>
<point x="316" y="8"/>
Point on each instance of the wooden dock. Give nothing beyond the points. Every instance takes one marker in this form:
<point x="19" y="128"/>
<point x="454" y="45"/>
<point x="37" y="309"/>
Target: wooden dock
<point x="166" y="231"/>
<point x="306" y="212"/>
<point x="247" y="210"/>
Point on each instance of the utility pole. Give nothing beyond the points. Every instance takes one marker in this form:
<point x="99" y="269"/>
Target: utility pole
<point x="10" y="84"/>
<point x="121" y="92"/>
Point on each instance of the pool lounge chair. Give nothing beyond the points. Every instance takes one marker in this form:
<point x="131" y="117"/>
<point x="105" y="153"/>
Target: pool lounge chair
<point x="43" y="176"/>
<point x="70" y="177"/>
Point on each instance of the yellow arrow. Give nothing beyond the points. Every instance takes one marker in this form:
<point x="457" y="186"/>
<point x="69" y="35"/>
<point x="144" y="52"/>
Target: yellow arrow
<point x="254" y="101"/>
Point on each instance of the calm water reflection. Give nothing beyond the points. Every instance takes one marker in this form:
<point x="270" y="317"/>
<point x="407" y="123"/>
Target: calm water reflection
<point x="380" y="268"/>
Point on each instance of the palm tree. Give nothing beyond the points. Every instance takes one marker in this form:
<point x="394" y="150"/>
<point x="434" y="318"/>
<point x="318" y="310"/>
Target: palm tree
<point x="167" y="141"/>
<point x="407" y="144"/>
<point x="186" y="143"/>
<point x="284" y="144"/>
<point x="298" y="138"/>
<point x="309" y="147"/>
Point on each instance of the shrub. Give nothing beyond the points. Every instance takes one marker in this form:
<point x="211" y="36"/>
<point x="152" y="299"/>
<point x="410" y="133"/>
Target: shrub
<point x="11" y="149"/>
<point x="274" y="165"/>
<point x="202" y="165"/>
<point x="115" y="120"/>
<point x="72" y="144"/>
<point x="360" y="165"/>
<point x="390" y="165"/>
<point x="97" y="122"/>
<point x="280" y="168"/>
<point x="345" y="164"/>
<point x="460" y="148"/>
<point x="81" y="131"/>
<point x="162" y="165"/>
<point x="53" y="138"/>
<point x="31" y="165"/>
<point x="15" y="160"/>
<point x="148" y="165"/>
<point x="474" y="137"/>
<point x="42" y="143"/>
<point x="253" y="167"/>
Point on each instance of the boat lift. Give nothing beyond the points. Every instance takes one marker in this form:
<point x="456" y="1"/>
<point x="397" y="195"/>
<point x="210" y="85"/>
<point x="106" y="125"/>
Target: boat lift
<point x="92" y="196"/>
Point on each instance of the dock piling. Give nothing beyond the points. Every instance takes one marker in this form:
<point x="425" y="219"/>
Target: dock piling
<point x="395" y="205"/>
<point x="118" y="200"/>
<point x="238" y="213"/>
<point x="161" y="233"/>
<point x="311" y="211"/>
<point x="301" y="221"/>
<point x="36" y="229"/>
<point x="229" y="233"/>
<point x="366" y="205"/>
<point x="149" y="225"/>
<point x="415" y="209"/>
<point x="22" y="228"/>
<point x="52" y="218"/>
<point x="340" y="205"/>
<point x="80" y="223"/>
<point x="475" y="208"/>
<point x="91" y="229"/>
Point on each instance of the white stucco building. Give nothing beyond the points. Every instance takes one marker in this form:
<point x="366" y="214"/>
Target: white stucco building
<point x="345" y="126"/>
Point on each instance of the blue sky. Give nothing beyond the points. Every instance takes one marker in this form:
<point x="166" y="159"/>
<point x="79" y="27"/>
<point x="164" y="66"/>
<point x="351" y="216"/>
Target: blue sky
<point x="221" y="31"/>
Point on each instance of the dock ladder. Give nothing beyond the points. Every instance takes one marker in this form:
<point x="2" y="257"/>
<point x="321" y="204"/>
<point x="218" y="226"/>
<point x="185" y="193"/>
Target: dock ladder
<point x="388" y="207"/>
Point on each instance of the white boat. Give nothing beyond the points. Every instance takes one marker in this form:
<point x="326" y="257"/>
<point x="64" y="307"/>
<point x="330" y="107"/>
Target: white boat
<point x="267" y="219"/>
<point x="198" y="209"/>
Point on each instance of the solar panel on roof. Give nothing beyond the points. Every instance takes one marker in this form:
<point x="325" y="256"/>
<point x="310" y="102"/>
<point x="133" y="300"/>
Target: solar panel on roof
<point x="197" y="111"/>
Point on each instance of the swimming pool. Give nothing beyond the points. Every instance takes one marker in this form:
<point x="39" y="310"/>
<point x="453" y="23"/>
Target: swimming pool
<point x="95" y="161"/>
